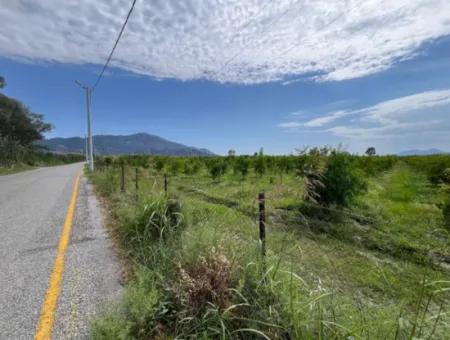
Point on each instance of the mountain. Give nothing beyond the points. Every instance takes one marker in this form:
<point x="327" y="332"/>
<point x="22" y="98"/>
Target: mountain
<point x="421" y="152"/>
<point x="140" y="143"/>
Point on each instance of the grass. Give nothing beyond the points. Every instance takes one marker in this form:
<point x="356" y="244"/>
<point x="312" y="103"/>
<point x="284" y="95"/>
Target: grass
<point x="367" y="272"/>
<point x="15" y="169"/>
<point x="31" y="159"/>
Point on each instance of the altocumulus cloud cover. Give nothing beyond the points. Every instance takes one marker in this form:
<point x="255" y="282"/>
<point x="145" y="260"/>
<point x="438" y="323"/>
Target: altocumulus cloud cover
<point x="247" y="42"/>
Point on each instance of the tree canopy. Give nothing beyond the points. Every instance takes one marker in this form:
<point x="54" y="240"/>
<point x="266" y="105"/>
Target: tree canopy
<point x="371" y="151"/>
<point x="18" y="123"/>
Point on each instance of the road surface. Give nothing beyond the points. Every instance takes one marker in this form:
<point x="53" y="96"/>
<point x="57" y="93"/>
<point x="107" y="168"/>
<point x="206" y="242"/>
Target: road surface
<point x="34" y="212"/>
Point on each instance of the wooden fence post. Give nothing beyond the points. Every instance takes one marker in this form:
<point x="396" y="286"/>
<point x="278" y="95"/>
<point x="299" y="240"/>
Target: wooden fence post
<point x="136" y="180"/>
<point x="122" y="183"/>
<point x="262" y="222"/>
<point x="165" y="184"/>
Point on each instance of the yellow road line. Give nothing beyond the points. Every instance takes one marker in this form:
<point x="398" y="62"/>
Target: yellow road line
<point x="47" y="317"/>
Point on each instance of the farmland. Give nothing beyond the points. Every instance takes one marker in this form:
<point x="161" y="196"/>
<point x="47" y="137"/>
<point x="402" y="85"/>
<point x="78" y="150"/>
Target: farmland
<point x="356" y="246"/>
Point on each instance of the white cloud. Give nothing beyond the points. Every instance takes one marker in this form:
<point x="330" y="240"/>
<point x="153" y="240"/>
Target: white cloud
<point x="290" y="125"/>
<point x="418" y="119"/>
<point x="297" y="113"/>
<point x="318" y="122"/>
<point x="251" y="41"/>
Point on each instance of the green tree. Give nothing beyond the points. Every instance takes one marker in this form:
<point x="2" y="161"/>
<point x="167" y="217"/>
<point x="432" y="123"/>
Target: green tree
<point x="240" y="166"/>
<point x="231" y="153"/>
<point x="159" y="164"/>
<point x="259" y="164"/>
<point x="371" y="151"/>
<point x="19" y="124"/>
<point x="217" y="168"/>
<point x="175" y="166"/>
<point x="2" y="82"/>
<point x="330" y="177"/>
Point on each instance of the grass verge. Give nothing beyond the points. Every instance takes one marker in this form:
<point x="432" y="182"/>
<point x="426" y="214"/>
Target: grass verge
<point x="198" y="273"/>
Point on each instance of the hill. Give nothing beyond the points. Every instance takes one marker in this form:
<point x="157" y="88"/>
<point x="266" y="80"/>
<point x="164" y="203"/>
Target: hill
<point x="140" y="143"/>
<point x="421" y="152"/>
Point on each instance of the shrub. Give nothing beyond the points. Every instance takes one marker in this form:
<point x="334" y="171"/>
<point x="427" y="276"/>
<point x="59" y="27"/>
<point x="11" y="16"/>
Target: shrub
<point x="159" y="163"/>
<point x="191" y="167"/>
<point x="435" y="166"/>
<point x="240" y="166"/>
<point x="152" y="220"/>
<point x="341" y="182"/>
<point x="446" y="212"/>
<point x="311" y="166"/>
<point x="330" y="177"/>
<point x="175" y="166"/>
<point x="207" y="281"/>
<point x="217" y="168"/>
<point x="259" y="164"/>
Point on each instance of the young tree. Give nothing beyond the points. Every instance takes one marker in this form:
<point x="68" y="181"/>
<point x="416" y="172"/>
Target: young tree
<point x="240" y="166"/>
<point x="259" y="164"/>
<point x="160" y="162"/>
<point x="231" y="153"/>
<point x="330" y="177"/>
<point x="217" y="168"/>
<point x="175" y="166"/>
<point x="282" y="165"/>
<point x="371" y="151"/>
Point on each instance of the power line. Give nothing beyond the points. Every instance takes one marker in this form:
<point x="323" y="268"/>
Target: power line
<point x="115" y="45"/>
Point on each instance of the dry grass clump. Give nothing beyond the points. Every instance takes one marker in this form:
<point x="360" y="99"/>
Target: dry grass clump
<point x="205" y="282"/>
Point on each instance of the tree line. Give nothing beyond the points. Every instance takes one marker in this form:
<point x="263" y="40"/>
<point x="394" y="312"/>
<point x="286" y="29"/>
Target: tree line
<point x="20" y="129"/>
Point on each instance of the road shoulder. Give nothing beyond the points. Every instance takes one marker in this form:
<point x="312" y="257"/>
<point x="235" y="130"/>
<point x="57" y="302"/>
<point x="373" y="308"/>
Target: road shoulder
<point x="92" y="270"/>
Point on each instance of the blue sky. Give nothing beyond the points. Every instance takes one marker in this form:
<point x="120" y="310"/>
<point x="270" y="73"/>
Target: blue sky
<point x="348" y="82"/>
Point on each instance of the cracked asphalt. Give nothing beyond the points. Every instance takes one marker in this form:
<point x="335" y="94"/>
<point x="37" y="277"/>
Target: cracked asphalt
<point x="33" y="207"/>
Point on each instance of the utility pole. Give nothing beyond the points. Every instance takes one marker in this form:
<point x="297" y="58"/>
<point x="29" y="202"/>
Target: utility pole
<point x="88" y="110"/>
<point x="86" y="153"/>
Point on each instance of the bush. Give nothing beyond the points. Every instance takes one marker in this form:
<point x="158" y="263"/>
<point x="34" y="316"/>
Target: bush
<point x="159" y="163"/>
<point x="151" y="221"/>
<point x="259" y="164"/>
<point x="330" y="177"/>
<point x="341" y="182"/>
<point x="435" y="166"/>
<point x="175" y="166"/>
<point x="240" y="166"/>
<point x="217" y="168"/>
<point x="191" y="167"/>
<point x="446" y="212"/>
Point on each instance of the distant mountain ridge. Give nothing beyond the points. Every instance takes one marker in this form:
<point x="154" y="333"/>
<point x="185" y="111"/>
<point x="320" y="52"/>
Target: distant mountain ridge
<point x="422" y="152"/>
<point x="139" y="143"/>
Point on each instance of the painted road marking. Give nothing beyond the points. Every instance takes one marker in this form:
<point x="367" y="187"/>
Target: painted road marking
<point x="47" y="317"/>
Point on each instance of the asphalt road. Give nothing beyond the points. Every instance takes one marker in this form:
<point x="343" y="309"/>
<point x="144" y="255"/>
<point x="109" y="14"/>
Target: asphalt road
<point x="33" y="208"/>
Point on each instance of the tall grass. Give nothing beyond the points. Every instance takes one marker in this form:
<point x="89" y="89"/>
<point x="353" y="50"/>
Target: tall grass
<point x="198" y="273"/>
<point x="15" y="155"/>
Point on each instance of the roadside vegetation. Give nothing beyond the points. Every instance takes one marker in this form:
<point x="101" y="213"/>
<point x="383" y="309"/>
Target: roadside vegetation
<point x="358" y="247"/>
<point x="20" y="129"/>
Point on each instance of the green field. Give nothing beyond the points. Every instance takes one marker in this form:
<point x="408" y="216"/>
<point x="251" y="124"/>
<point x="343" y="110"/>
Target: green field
<point x="377" y="267"/>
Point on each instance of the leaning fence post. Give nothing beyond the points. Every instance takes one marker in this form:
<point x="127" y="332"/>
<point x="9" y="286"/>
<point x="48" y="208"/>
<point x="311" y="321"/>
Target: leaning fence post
<point x="165" y="184"/>
<point x="122" y="183"/>
<point x="262" y="222"/>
